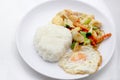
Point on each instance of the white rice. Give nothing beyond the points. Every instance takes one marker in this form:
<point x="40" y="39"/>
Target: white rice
<point x="52" y="41"/>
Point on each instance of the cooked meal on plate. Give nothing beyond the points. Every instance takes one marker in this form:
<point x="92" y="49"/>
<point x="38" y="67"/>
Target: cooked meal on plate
<point x="72" y="39"/>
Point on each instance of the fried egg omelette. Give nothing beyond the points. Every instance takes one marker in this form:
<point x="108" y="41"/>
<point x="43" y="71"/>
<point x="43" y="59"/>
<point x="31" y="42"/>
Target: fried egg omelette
<point x="85" y="61"/>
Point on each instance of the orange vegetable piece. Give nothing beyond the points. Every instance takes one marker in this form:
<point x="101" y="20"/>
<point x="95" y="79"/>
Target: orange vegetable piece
<point x="77" y="24"/>
<point x="104" y="37"/>
<point x="93" y="40"/>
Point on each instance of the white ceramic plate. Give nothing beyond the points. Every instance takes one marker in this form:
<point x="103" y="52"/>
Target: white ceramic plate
<point x="41" y="15"/>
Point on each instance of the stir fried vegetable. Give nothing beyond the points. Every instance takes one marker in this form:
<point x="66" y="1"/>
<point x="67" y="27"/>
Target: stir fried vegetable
<point x="84" y="28"/>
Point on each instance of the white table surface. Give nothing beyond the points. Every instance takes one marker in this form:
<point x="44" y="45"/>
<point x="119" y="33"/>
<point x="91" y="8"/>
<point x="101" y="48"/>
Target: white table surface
<point x="12" y="67"/>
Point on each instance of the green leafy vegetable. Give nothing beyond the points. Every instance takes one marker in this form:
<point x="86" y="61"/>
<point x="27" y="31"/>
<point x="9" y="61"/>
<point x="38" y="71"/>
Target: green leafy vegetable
<point x="88" y="34"/>
<point x="86" y="41"/>
<point x="73" y="45"/>
<point x="67" y="26"/>
<point x="83" y="34"/>
<point x="87" y="21"/>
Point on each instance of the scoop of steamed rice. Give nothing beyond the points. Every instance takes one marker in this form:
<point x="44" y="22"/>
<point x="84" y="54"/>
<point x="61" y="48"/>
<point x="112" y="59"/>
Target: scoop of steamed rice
<point x="52" y="41"/>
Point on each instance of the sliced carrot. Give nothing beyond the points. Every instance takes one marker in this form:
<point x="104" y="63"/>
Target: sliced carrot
<point x="107" y="35"/>
<point x="77" y="24"/>
<point x="104" y="37"/>
<point x="93" y="43"/>
<point x="93" y="40"/>
<point x="78" y="20"/>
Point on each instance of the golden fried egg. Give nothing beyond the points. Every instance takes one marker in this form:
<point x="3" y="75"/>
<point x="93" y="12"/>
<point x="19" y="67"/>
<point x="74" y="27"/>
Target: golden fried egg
<point x="85" y="61"/>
